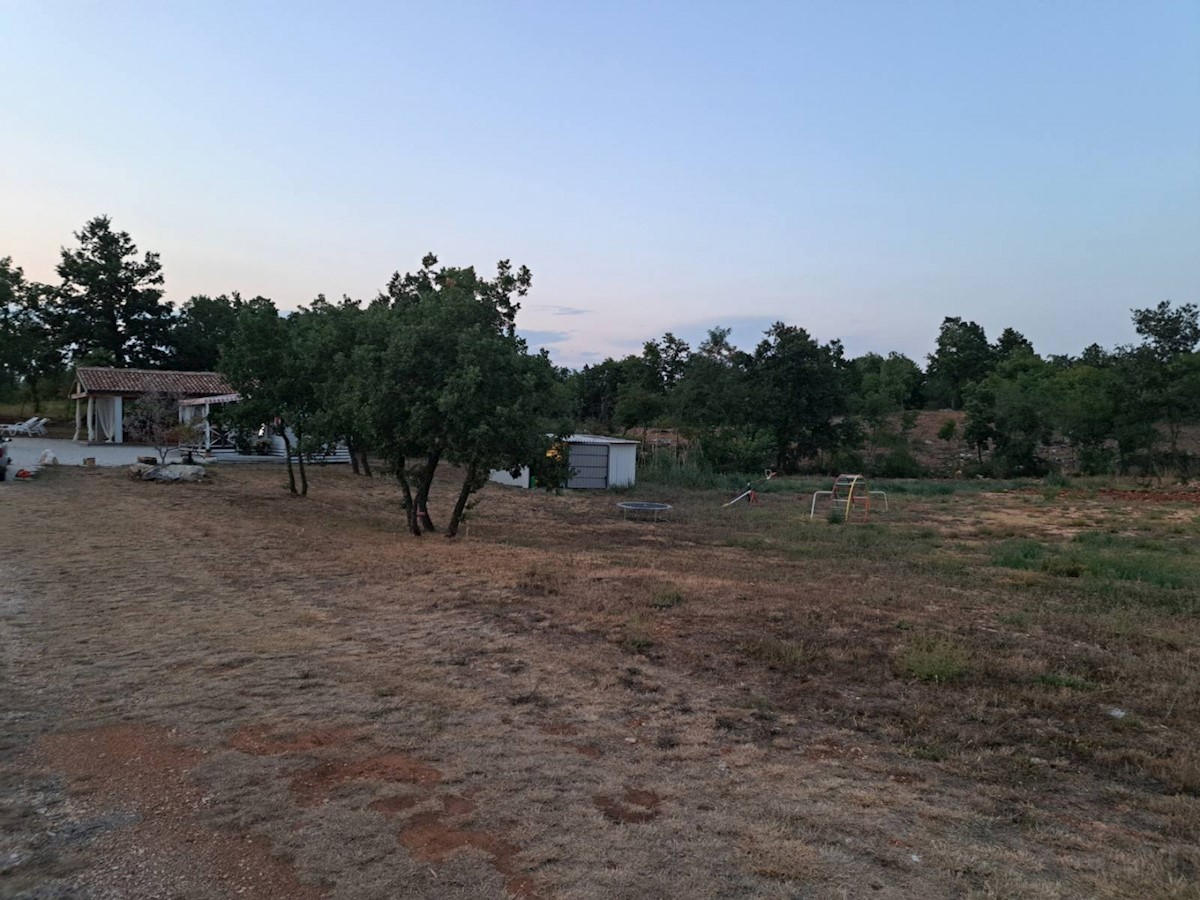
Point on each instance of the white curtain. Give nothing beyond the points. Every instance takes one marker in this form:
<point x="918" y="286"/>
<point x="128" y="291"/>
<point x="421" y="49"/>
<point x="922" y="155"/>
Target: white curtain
<point x="106" y="417"/>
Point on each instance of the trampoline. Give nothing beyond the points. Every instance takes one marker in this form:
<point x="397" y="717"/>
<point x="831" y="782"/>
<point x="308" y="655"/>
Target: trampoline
<point x="642" y="509"/>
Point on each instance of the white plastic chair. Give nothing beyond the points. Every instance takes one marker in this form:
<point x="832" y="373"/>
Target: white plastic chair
<point x="25" y="428"/>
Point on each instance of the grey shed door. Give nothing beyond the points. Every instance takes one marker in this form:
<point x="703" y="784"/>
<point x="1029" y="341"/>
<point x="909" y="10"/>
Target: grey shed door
<point x="590" y="462"/>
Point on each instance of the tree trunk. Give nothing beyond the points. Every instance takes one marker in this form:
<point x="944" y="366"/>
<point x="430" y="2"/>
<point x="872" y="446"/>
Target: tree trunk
<point x="303" y="473"/>
<point x="468" y="487"/>
<point x="34" y="394"/>
<point x="287" y="450"/>
<point x="353" y="451"/>
<point x="410" y="507"/>
<point x="422" y="499"/>
<point x="366" y="463"/>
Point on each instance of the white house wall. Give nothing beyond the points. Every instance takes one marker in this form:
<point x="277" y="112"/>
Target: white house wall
<point x="502" y="476"/>
<point x="622" y="465"/>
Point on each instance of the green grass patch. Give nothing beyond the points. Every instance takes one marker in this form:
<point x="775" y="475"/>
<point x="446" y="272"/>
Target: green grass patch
<point x="666" y="598"/>
<point x="1053" y="679"/>
<point x="787" y="656"/>
<point x="1104" y="556"/>
<point x="938" y="660"/>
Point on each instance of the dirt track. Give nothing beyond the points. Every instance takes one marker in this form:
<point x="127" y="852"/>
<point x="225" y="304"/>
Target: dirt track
<point x="220" y="690"/>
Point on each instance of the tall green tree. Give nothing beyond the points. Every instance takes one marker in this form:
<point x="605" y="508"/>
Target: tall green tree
<point x="798" y="389"/>
<point x="110" y="303"/>
<point x="201" y="330"/>
<point x="963" y="356"/>
<point x="415" y="359"/>
<point x="268" y="363"/>
<point x="1013" y="408"/>
<point x="28" y="352"/>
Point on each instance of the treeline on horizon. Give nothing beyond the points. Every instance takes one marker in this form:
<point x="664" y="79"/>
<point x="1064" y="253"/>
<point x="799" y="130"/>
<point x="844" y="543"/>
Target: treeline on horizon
<point x="432" y="369"/>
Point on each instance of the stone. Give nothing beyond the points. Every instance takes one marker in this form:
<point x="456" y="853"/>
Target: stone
<point x="167" y="474"/>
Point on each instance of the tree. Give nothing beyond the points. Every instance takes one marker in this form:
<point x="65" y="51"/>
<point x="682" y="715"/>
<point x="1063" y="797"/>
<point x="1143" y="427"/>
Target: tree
<point x="1011" y="343"/>
<point x="265" y="364"/>
<point x="415" y="364"/>
<point x="110" y="302"/>
<point x="329" y="334"/>
<point x="153" y="419"/>
<point x="594" y="390"/>
<point x="1168" y="332"/>
<point x="963" y="356"/>
<point x="202" y="328"/>
<point x="493" y="409"/>
<point x="28" y="354"/>
<point x="888" y="389"/>
<point x="1010" y="408"/>
<point x="797" y="392"/>
<point x="1161" y="374"/>
<point x="1087" y="410"/>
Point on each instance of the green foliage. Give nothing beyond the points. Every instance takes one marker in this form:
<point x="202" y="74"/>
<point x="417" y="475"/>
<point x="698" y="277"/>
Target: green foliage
<point x="963" y="357"/>
<point x="948" y="430"/>
<point x="270" y="361"/>
<point x="1052" y="679"/>
<point x="28" y="347"/>
<point x="934" y="659"/>
<point x="1100" y="557"/>
<point x="201" y="330"/>
<point x="109" y="301"/>
<point x="666" y="597"/>
<point x="1009" y="409"/>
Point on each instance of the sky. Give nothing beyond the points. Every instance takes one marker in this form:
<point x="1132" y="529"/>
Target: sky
<point x="861" y="169"/>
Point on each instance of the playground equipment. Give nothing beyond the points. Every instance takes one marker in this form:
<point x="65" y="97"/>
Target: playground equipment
<point x="751" y="493"/>
<point x="642" y="509"/>
<point x="850" y="494"/>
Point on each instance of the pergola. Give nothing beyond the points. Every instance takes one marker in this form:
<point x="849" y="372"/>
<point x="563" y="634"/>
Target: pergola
<point x="107" y="389"/>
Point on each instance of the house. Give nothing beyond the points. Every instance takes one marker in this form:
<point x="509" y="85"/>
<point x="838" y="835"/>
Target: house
<point x="106" y="391"/>
<point x="595" y="461"/>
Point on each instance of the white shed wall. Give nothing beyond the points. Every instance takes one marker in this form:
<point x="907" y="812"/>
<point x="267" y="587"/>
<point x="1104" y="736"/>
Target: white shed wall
<point x="622" y="465"/>
<point x="501" y="476"/>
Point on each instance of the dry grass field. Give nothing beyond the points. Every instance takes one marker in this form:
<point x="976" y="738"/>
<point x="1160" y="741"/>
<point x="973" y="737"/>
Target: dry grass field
<point x="219" y="690"/>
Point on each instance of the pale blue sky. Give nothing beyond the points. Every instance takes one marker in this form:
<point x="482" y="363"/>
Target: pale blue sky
<point x="861" y="169"/>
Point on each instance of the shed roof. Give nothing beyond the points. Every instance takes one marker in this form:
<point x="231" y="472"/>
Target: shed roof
<point x="104" y="380"/>
<point x="597" y="439"/>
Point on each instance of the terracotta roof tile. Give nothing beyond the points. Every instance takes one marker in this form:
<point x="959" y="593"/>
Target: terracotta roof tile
<point x="98" y="380"/>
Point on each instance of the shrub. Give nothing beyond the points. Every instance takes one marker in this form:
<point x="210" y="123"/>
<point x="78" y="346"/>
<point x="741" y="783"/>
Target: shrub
<point x="666" y="597"/>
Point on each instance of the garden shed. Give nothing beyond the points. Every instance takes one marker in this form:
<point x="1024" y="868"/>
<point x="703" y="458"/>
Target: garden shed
<point x="107" y="389"/>
<point x="597" y="463"/>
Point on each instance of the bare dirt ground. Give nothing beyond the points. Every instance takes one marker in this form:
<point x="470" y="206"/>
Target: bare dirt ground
<point x="219" y="690"/>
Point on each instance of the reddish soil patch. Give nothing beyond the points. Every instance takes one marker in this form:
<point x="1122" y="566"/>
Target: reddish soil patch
<point x="311" y="786"/>
<point x="454" y="805"/>
<point x="1180" y="496"/>
<point x="429" y="839"/>
<point x="265" y="740"/>
<point x="588" y="750"/>
<point x="167" y="851"/>
<point x="558" y="730"/>
<point x="390" y="806"/>
<point x="635" y="806"/>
